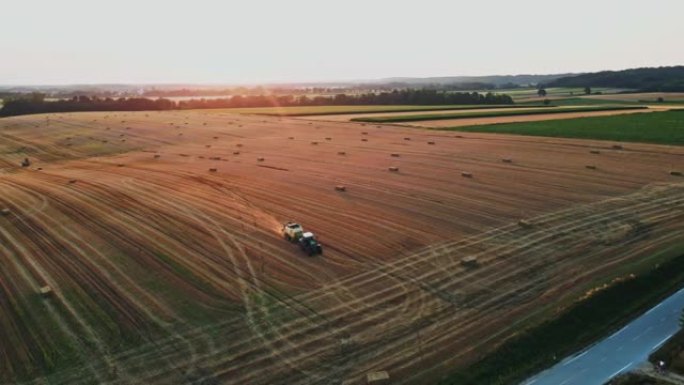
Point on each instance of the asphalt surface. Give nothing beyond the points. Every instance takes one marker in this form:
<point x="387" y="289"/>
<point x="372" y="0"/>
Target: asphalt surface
<point x="622" y="351"/>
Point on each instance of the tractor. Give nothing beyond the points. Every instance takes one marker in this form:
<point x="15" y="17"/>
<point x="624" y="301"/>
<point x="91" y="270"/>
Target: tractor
<point x="294" y="232"/>
<point x="309" y="244"/>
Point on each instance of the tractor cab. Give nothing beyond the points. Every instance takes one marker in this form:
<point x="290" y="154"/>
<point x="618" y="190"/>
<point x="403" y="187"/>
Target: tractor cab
<point x="309" y="244"/>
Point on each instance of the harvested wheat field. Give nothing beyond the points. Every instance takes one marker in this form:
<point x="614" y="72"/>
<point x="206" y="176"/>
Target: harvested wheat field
<point x="158" y="235"/>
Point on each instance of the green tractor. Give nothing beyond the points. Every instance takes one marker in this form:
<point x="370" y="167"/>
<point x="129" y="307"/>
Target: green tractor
<point x="294" y="232"/>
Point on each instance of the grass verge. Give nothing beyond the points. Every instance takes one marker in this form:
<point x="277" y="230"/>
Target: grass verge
<point x="491" y="114"/>
<point x="637" y="379"/>
<point x="578" y="326"/>
<point x="665" y="127"/>
<point x="671" y="353"/>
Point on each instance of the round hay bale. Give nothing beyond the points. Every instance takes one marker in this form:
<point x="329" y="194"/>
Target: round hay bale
<point x="364" y="140"/>
<point x="157" y="156"/>
<point x="617" y="147"/>
<point x="594" y="151"/>
<point x="466" y="174"/>
<point x="341" y="153"/>
<point x="5" y="212"/>
<point x="314" y="142"/>
<point x="72" y="181"/>
<point x="507" y="160"/>
<point x="431" y="142"/>
<point x="45" y="291"/>
<point x="212" y="170"/>
<point x="590" y="167"/>
<point x="260" y="159"/>
<point x="236" y="152"/>
<point x="675" y="173"/>
<point x="524" y="223"/>
<point x="328" y="138"/>
<point x="394" y="154"/>
<point x="340" y="188"/>
<point x="239" y="145"/>
<point x="364" y="133"/>
<point x="291" y="137"/>
<point x="407" y="138"/>
<point x="393" y="169"/>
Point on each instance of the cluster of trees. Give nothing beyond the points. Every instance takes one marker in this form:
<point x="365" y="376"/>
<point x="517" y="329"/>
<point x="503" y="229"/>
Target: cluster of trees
<point x="541" y="91"/>
<point x="36" y="103"/>
<point x="660" y="79"/>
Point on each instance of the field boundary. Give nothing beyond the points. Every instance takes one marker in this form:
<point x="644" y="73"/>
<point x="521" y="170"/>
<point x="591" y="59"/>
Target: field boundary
<point x="389" y="110"/>
<point x="477" y="114"/>
<point x="657" y="127"/>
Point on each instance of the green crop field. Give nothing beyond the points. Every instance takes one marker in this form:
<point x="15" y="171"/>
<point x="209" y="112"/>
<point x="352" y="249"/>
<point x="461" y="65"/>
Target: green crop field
<point x="487" y="114"/>
<point x="656" y="127"/>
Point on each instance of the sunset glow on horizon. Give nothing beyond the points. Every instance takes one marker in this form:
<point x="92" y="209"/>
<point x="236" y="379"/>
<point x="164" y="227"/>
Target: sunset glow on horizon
<point x="79" y="41"/>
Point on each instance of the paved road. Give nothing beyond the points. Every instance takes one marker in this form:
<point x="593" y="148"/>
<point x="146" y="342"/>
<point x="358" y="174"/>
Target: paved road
<point x="622" y="351"/>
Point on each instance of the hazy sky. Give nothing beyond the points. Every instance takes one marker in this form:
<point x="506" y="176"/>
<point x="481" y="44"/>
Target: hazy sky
<point x="149" y="41"/>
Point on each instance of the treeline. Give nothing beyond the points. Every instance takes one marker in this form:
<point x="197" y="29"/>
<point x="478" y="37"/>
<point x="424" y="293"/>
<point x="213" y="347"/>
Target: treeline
<point x="35" y="103"/>
<point x="659" y="79"/>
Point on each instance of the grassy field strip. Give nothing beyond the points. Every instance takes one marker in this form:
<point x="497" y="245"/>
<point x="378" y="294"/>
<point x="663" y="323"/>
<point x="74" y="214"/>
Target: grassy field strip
<point x="486" y="114"/>
<point x="665" y="127"/>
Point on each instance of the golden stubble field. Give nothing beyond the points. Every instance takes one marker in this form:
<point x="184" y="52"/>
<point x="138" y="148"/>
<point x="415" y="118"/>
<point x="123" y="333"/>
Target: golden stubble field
<point x="158" y="235"/>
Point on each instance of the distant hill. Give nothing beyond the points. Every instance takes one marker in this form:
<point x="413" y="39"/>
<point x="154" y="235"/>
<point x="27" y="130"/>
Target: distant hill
<point x="655" y="79"/>
<point x="496" y="80"/>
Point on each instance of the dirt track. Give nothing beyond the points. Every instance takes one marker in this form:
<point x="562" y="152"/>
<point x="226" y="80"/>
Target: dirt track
<point x="165" y="272"/>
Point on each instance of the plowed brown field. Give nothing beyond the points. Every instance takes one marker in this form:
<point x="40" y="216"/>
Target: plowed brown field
<point x="164" y="272"/>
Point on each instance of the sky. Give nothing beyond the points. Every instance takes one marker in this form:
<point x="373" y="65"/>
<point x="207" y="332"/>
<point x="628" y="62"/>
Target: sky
<point x="266" y="41"/>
